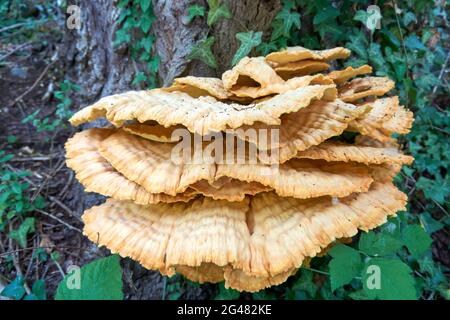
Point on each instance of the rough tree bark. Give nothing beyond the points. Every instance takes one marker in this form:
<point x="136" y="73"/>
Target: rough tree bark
<point x="100" y="69"/>
<point x="174" y="37"/>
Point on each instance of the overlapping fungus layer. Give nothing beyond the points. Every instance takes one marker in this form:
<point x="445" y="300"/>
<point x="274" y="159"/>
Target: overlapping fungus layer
<point x="251" y="224"/>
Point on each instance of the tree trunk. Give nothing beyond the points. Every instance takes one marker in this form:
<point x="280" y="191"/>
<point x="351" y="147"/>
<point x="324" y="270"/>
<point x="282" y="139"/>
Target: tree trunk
<point x="175" y="38"/>
<point x="100" y="70"/>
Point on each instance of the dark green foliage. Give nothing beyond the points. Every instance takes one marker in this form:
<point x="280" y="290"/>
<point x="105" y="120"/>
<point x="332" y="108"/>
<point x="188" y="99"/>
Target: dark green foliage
<point x="136" y="19"/>
<point x="98" y="280"/>
<point x="411" y="47"/>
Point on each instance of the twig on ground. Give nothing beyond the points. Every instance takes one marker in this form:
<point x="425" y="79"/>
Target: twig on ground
<point x="62" y="193"/>
<point x="59" y="268"/>
<point x="59" y="220"/>
<point x="13" y="26"/>
<point x="10" y="167"/>
<point x="38" y="158"/>
<point x="33" y="248"/>
<point x="48" y="178"/>
<point x="3" y="57"/>
<point x="64" y="207"/>
<point x="19" y="269"/>
<point x="33" y="86"/>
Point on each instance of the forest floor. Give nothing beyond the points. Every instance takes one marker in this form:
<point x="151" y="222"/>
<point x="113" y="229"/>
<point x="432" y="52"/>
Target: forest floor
<point x="30" y="80"/>
<point x="30" y="76"/>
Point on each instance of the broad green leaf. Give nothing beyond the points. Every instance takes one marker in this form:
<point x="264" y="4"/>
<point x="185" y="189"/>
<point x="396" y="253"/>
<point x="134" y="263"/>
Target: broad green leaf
<point x="195" y="11"/>
<point x="15" y="289"/>
<point x="345" y="265"/>
<point x="202" y="51"/>
<point x="416" y="240"/>
<point x="217" y="11"/>
<point x="358" y="295"/>
<point x="378" y="244"/>
<point x="98" y="280"/>
<point x="430" y="224"/>
<point x="388" y="279"/>
<point x="248" y="40"/>
<point x="392" y="227"/>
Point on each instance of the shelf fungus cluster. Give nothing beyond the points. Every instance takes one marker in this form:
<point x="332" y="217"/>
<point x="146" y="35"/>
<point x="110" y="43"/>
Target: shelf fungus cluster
<point x="243" y="179"/>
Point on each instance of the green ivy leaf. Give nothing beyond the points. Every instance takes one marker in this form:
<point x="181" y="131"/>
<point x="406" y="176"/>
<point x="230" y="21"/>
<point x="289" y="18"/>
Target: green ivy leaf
<point x="147" y="43"/>
<point x="122" y="36"/>
<point x="266" y="48"/>
<point x="100" y="280"/>
<point x="358" y="44"/>
<point x="433" y="190"/>
<point x="122" y="4"/>
<point x="277" y="27"/>
<point x="408" y="18"/>
<point x="326" y="15"/>
<point x="146" y="24"/>
<point x="20" y="234"/>
<point x="369" y="19"/>
<point x="195" y="11"/>
<point x="217" y="11"/>
<point x="345" y="265"/>
<point x="414" y="43"/>
<point x="430" y="224"/>
<point x="138" y="78"/>
<point x="378" y="244"/>
<point x="202" y="51"/>
<point x="145" y="4"/>
<point x="11" y="139"/>
<point x="388" y="279"/>
<point x="15" y="289"/>
<point x="248" y="40"/>
<point x="289" y="19"/>
<point x="416" y="240"/>
<point x="38" y="290"/>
